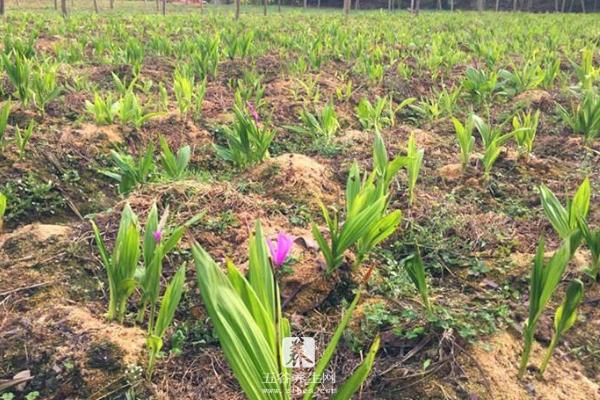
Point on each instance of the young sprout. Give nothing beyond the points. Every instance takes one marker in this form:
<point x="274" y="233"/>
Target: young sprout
<point x="44" y="86"/>
<point x="175" y="166"/>
<point x="183" y="87"/>
<point x="247" y="142"/>
<point x="493" y="139"/>
<point x="158" y="241"/>
<point x="525" y="128"/>
<point x="22" y="138"/>
<point x="413" y="166"/>
<point x="584" y="118"/>
<point x="4" y="113"/>
<point x="586" y="73"/>
<point x="465" y="139"/>
<point x="168" y="306"/>
<point x="199" y="93"/>
<point x="544" y="279"/>
<point x="122" y="263"/>
<point x="322" y="126"/>
<point x="105" y="110"/>
<point x="415" y="268"/>
<point x="131" y="172"/>
<point x="564" y="318"/>
<point x="592" y="240"/>
<point x="18" y="71"/>
<point x="2" y="209"/>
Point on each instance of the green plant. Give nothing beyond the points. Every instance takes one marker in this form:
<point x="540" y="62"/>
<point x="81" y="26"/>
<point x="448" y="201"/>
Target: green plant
<point x="465" y="139"/>
<point x="480" y="85"/>
<point x="19" y="74"/>
<point x="344" y="92"/>
<point x="105" y="110"/>
<point x="379" y="115"/>
<point x="584" y="118"/>
<point x="122" y="86"/>
<point x="360" y="218"/>
<point x="247" y="318"/>
<point x="158" y="241"/>
<point x="168" y="306"/>
<point x="22" y="137"/>
<point x="32" y="395"/>
<point x="131" y="172"/>
<point x="384" y="170"/>
<point x="238" y="44"/>
<point x="493" y="139"/>
<point x="525" y="128"/>
<point x="121" y="265"/>
<point x="413" y="166"/>
<point x="310" y="86"/>
<point x="544" y="279"/>
<point x="4" y="113"/>
<point x="586" y="73"/>
<point x="447" y="99"/>
<point x="131" y="112"/>
<point x="564" y="318"/>
<point x="384" y="225"/>
<point x="322" y="126"/>
<point x="427" y="109"/>
<point x="199" y="93"/>
<point x="415" y="269"/>
<point x="249" y="89"/>
<point x="366" y="223"/>
<point x="44" y="86"/>
<point x="489" y="133"/>
<point x="183" y="87"/>
<point x="592" y="240"/>
<point x="247" y="142"/>
<point x="490" y="155"/>
<point x="133" y="55"/>
<point x="174" y="165"/>
<point x="163" y="97"/>
<point x="564" y="220"/>
<point x="2" y="209"/>
<point x="205" y="62"/>
<point x="551" y="69"/>
<point x="517" y="81"/>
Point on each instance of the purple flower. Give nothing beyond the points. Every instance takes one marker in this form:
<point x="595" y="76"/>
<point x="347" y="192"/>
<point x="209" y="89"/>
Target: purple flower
<point x="253" y="112"/>
<point x="157" y="235"/>
<point x="280" y="250"/>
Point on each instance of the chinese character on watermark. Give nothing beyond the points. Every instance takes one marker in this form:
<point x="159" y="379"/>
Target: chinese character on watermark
<point x="299" y="352"/>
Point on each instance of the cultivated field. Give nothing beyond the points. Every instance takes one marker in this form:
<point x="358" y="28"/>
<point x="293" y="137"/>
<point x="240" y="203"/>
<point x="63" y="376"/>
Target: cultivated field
<point x="378" y="182"/>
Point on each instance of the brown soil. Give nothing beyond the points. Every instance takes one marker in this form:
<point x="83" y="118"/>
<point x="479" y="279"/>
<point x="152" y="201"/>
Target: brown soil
<point x="296" y="177"/>
<point x="495" y="360"/>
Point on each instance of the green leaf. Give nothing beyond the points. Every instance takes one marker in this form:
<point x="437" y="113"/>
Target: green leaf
<point x="555" y="212"/>
<point x="416" y="271"/>
<point x="247" y="350"/>
<point x="352" y="384"/>
<point x="330" y="349"/>
<point x="260" y="274"/>
<point x="2" y="208"/>
<point x="169" y="302"/>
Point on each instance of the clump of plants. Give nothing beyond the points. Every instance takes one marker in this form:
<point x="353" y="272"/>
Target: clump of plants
<point x="124" y="274"/>
<point x="247" y="141"/>
<point x="366" y="222"/>
<point x="247" y="318"/>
